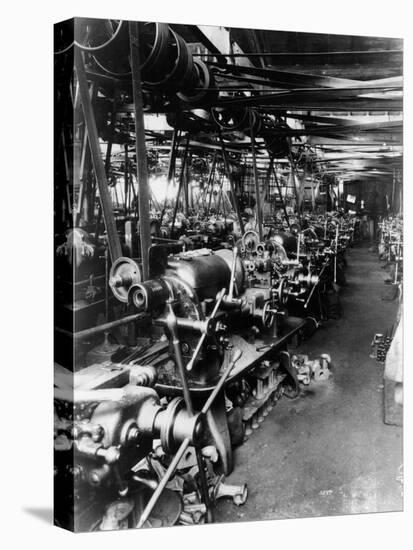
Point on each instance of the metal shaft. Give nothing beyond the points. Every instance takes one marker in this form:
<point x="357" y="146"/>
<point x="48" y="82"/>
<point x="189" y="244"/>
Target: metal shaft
<point x="233" y="267"/>
<point x="190" y="365"/>
<point x="204" y="483"/>
<point x="314" y="286"/>
<point x="102" y="328"/>
<point x="172" y="326"/>
<point x="162" y="484"/>
<point x="222" y="380"/>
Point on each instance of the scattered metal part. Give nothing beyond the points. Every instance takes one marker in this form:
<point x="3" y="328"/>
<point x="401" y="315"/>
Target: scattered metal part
<point x="238" y="493"/>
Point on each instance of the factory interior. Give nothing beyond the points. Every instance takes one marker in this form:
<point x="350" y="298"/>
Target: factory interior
<point x="228" y="248"/>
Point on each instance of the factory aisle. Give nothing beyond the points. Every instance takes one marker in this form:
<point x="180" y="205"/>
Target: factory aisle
<point x="329" y="452"/>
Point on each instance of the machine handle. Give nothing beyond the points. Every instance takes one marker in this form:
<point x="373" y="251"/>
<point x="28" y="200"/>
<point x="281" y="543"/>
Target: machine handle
<point x="162" y="484"/>
<point x="190" y="365"/>
<point x="236" y="357"/>
<point x="184" y="445"/>
<point x="314" y="286"/>
<point x="233" y="267"/>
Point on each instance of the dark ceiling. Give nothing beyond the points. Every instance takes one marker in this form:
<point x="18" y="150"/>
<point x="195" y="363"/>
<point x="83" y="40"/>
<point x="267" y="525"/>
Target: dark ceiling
<point x="345" y="91"/>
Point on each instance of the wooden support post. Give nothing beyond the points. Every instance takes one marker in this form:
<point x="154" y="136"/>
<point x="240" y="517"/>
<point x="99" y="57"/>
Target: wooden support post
<point x="141" y="161"/>
<point x="98" y="166"/>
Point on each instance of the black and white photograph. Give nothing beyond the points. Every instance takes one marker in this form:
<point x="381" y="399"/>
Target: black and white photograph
<point x="228" y="274"/>
<point x="205" y="220"/>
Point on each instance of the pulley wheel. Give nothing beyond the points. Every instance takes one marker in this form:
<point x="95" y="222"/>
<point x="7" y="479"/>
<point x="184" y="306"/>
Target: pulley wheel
<point x="230" y="119"/>
<point x="179" y="71"/>
<point x="260" y="249"/>
<point x="281" y="294"/>
<point x="153" y="45"/>
<point x="250" y="241"/>
<point x="167" y="428"/>
<point x="204" y="80"/>
<point x="124" y="273"/>
<point x="267" y="315"/>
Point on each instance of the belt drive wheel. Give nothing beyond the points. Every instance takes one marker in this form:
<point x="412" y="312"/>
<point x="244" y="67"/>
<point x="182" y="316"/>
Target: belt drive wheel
<point x="123" y="274"/>
<point x="281" y="295"/>
<point x="204" y="81"/>
<point x="229" y="119"/>
<point x="250" y="241"/>
<point x="167" y="428"/>
<point x="267" y="315"/>
<point x="180" y="71"/>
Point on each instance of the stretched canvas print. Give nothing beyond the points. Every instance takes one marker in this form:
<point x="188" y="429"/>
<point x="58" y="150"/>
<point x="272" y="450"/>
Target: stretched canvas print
<point x="228" y="274"/>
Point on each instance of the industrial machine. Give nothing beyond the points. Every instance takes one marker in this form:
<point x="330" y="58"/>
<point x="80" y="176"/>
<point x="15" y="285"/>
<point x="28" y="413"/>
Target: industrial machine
<point x="390" y="248"/>
<point x="180" y="313"/>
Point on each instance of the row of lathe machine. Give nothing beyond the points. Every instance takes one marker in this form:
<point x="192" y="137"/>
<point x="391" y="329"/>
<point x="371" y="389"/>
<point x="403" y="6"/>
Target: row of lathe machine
<point x="192" y="362"/>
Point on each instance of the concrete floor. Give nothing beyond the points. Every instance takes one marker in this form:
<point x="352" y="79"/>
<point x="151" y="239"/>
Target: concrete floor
<point x="329" y="452"/>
